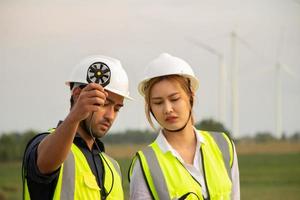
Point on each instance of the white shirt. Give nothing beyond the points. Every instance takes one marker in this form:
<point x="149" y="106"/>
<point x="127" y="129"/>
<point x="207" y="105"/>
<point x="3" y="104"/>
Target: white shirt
<point x="138" y="186"/>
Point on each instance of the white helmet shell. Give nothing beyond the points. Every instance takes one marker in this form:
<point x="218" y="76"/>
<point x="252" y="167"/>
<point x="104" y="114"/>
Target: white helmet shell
<point x="165" y="65"/>
<point x="118" y="82"/>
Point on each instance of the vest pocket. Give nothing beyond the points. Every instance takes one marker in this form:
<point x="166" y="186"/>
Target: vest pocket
<point x="90" y="181"/>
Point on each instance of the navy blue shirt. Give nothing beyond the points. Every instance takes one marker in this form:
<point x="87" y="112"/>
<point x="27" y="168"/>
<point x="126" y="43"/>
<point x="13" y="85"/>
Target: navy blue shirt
<point x="42" y="186"/>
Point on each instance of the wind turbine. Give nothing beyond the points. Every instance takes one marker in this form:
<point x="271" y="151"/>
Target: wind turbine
<point x="235" y="84"/>
<point x="279" y="68"/>
<point x="235" y="38"/>
<point x="222" y="76"/>
<point x="222" y="81"/>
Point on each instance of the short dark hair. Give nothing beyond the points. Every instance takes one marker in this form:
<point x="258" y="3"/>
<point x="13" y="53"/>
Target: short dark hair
<point x="71" y="88"/>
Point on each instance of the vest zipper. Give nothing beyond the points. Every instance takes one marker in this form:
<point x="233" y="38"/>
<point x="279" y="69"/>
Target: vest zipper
<point x="203" y="167"/>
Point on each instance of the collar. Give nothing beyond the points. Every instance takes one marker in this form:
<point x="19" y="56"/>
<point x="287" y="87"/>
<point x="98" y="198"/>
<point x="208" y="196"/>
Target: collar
<point x="165" y="146"/>
<point x="81" y="143"/>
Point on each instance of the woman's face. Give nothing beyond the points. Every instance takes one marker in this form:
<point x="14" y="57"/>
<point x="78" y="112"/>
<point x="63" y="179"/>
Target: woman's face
<point x="170" y="104"/>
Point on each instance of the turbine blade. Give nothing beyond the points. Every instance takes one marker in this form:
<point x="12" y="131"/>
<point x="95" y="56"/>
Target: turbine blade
<point x="288" y="70"/>
<point x="249" y="47"/>
<point x="203" y="46"/>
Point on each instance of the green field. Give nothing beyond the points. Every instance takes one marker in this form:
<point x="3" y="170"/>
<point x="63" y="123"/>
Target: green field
<point x="270" y="176"/>
<point x="10" y="181"/>
<point x="262" y="176"/>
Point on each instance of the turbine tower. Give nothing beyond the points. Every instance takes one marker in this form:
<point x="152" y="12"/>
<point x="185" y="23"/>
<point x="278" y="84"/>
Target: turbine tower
<point x="279" y="69"/>
<point x="278" y="83"/>
<point x="234" y="85"/>
<point x="222" y="82"/>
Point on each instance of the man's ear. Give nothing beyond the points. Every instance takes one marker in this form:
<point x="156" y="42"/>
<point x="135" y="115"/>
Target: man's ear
<point x="75" y="93"/>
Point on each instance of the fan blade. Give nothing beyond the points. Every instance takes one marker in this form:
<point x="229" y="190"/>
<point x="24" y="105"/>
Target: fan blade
<point x="106" y="70"/>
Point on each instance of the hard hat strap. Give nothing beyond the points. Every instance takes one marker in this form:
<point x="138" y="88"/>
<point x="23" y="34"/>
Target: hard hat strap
<point x="180" y="129"/>
<point x="177" y="130"/>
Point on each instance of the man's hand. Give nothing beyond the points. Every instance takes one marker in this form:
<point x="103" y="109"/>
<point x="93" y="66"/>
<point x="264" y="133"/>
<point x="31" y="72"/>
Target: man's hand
<point x="54" y="148"/>
<point x="90" y="98"/>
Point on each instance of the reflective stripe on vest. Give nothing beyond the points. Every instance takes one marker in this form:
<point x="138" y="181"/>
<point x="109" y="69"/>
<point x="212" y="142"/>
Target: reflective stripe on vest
<point x="225" y="146"/>
<point x="168" y="179"/>
<point x="80" y="183"/>
<point x="68" y="178"/>
<point x="156" y="174"/>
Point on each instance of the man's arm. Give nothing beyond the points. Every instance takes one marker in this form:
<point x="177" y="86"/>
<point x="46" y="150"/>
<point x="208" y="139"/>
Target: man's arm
<point x="54" y="148"/>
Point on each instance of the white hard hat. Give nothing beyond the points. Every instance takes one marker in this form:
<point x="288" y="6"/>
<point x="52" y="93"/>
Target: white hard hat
<point x="165" y="65"/>
<point x="104" y="70"/>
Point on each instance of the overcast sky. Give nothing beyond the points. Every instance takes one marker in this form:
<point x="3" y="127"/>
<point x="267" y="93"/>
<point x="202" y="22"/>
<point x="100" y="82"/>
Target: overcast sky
<point x="41" y="41"/>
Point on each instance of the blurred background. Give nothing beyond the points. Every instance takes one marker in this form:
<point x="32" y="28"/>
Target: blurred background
<point x="246" y="55"/>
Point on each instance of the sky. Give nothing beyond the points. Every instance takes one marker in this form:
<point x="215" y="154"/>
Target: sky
<point x="41" y="42"/>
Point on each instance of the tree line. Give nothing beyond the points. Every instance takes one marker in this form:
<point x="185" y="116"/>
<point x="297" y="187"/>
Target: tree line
<point x="12" y="145"/>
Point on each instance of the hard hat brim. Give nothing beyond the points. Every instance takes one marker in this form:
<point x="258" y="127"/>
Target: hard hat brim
<point x="194" y="82"/>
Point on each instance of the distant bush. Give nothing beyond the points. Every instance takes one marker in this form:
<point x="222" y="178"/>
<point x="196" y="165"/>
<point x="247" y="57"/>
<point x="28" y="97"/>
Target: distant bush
<point x="130" y="137"/>
<point x="264" y="137"/>
<point x="12" y="145"/>
<point x="295" y="136"/>
<point x="211" y="125"/>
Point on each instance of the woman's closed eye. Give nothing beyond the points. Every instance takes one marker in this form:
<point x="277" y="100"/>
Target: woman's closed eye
<point x="175" y="99"/>
<point x="157" y="102"/>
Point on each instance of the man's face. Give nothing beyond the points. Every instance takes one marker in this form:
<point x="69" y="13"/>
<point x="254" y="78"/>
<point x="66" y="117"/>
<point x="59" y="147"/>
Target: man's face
<point x="104" y="118"/>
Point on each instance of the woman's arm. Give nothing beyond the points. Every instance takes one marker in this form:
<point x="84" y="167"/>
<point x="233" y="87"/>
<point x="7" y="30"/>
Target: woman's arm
<point x="235" y="193"/>
<point x="138" y="186"/>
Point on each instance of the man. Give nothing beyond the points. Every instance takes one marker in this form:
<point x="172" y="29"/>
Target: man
<point x="68" y="162"/>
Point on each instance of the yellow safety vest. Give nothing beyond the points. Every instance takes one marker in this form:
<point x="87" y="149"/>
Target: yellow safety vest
<point x="77" y="181"/>
<point x="167" y="178"/>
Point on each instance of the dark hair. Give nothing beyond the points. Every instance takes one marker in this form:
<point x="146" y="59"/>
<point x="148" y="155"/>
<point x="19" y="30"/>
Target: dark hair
<point x="71" y="88"/>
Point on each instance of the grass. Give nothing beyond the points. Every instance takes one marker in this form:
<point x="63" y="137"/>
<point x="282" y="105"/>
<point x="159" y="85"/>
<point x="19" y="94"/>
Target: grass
<point x="10" y="181"/>
<point x="262" y="176"/>
<point x="266" y="176"/>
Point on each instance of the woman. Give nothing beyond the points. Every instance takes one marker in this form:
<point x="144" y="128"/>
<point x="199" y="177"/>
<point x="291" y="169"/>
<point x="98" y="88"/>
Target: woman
<point x="182" y="163"/>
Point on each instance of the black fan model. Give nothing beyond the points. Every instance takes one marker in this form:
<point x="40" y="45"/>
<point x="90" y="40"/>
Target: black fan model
<point x="98" y="73"/>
